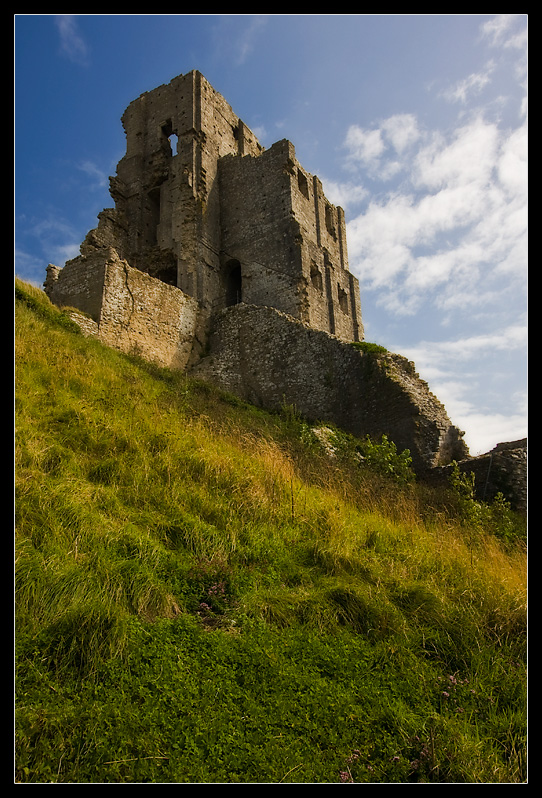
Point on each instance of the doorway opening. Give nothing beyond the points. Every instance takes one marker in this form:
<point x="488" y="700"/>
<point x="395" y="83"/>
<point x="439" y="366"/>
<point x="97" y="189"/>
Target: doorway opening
<point x="233" y="283"/>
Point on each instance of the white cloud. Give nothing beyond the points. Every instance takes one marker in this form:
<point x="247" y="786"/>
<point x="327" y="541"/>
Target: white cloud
<point x="402" y="131"/>
<point x="457" y="224"/>
<point x="501" y="31"/>
<point x="483" y="430"/>
<point x="512" y="164"/>
<point x="381" y="150"/>
<point x="469" y="86"/>
<point x="364" y="146"/>
<point x="72" y="44"/>
<point x="467" y="158"/>
<point x="343" y="194"/>
<point x="452" y="234"/>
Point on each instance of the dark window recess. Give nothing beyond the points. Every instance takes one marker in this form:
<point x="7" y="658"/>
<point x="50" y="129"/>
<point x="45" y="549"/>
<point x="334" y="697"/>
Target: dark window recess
<point x="343" y="300"/>
<point x="316" y="277"/>
<point x="302" y="184"/>
<point x="233" y="283"/>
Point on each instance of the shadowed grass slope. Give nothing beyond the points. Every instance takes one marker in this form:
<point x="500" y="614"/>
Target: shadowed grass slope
<point x="203" y="594"/>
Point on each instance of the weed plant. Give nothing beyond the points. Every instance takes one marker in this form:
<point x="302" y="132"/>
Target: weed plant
<point x="204" y="595"/>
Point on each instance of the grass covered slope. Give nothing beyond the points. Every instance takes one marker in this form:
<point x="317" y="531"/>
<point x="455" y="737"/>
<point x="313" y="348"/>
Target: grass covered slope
<point x="203" y="594"/>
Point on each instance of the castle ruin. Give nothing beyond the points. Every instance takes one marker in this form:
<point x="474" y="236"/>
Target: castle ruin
<point x="227" y="260"/>
<point x="200" y="205"/>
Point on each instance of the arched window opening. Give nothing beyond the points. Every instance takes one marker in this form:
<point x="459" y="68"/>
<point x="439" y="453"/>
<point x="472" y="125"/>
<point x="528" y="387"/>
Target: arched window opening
<point x="170" y="137"/>
<point x="233" y="283"/>
<point x="173" y="139"/>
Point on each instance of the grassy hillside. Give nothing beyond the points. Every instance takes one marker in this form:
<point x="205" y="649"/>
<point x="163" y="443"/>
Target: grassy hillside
<point x="204" y="594"/>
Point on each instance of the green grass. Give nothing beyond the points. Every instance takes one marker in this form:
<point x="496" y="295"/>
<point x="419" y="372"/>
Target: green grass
<point x="203" y="595"/>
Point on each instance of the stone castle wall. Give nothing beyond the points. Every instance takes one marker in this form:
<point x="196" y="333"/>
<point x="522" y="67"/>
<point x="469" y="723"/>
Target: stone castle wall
<point x="272" y="360"/>
<point x="129" y="310"/>
<point x="289" y="240"/>
<point x="201" y="205"/>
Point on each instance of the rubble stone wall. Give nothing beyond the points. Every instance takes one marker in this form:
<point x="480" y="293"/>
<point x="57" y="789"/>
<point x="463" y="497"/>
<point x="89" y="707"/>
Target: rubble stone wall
<point x="128" y="309"/>
<point x="502" y="470"/>
<point x="271" y="360"/>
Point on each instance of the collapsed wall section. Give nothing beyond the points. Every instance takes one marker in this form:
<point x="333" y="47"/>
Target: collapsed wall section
<point x="502" y="470"/>
<point x="271" y="360"/>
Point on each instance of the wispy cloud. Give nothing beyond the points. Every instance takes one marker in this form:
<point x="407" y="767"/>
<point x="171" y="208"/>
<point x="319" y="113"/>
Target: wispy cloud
<point x="437" y="354"/>
<point x="379" y="150"/>
<point x="502" y="31"/>
<point x="346" y="194"/>
<point x="470" y="86"/>
<point x="442" y="235"/>
<point x="72" y="44"/>
<point x="452" y="368"/>
<point x="99" y="179"/>
<point x="459" y="210"/>
<point x="50" y="235"/>
<point x="247" y="39"/>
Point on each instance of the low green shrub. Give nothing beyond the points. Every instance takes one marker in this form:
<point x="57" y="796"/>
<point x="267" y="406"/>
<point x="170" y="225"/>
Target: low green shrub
<point x="369" y="348"/>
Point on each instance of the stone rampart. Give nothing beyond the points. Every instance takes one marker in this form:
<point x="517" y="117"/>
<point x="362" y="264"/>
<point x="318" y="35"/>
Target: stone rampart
<point x="271" y="359"/>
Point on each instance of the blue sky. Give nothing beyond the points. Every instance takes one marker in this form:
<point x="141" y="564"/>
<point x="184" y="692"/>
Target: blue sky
<point x="416" y="125"/>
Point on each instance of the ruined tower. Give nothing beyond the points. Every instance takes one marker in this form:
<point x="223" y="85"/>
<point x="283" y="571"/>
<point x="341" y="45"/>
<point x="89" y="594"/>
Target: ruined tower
<point x="200" y="205"/>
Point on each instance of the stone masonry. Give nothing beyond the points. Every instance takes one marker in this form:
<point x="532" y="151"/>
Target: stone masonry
<point x="502" y="470"/>
<point x="271" y="360"/>
<point x="228" y="261"/>
<point x="200" y="205"/>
